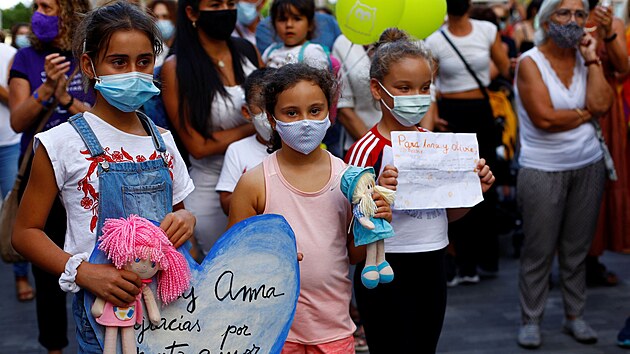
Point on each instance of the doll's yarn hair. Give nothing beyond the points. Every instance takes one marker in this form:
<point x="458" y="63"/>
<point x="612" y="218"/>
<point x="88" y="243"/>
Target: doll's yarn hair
<point x="361" y="197"/>
<point x="365" y="201"/>
<point x="125" y="240"/>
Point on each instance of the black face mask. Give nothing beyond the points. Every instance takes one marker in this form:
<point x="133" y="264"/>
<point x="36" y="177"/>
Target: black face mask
<point x="457" y="7"/>
<point x="217" y="24"/>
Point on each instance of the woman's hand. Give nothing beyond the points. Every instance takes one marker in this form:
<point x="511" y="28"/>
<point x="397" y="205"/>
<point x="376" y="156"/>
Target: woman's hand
<point x="61" y="91"/>
<point x="485" y="175"/>
<point x="179" y="226"/>
<point x="56" y="67"/>
<point x="119" y="287"/>
<point x="389" y="177"/>
<point x="603" y="17"/>
<point x="588" y="46"/>
<point x="383" y="210"/>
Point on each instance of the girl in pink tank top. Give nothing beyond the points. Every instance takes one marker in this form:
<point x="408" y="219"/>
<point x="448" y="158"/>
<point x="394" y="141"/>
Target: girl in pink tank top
<point x="300" y="181"/>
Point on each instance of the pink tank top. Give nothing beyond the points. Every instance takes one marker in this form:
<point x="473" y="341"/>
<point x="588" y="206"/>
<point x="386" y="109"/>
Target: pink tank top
<point x="320" y="222"/>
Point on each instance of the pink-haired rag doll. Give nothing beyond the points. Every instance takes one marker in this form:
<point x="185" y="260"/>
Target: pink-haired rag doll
<point x="137" y="245"/>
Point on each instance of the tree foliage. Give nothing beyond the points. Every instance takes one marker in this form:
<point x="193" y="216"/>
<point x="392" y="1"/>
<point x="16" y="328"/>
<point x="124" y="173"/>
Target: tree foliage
<point x="18" y="13"/>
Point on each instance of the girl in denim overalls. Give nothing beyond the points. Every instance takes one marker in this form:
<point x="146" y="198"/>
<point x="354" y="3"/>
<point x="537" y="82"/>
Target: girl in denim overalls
<point x="109" y="162"/>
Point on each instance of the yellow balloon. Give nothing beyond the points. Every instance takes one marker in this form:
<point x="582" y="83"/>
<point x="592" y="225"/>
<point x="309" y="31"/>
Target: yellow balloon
<point x="363" y="21"/>
<point x="422" y="17"/>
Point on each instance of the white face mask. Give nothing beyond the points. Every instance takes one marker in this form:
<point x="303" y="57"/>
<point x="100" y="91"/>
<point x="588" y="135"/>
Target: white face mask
<point x="303" y="135"/>
<point x="408" y="110"/>
<point x="262" y="125"/>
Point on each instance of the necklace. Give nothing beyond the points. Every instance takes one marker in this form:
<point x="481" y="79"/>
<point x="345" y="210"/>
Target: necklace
<point x="221" y="64"/>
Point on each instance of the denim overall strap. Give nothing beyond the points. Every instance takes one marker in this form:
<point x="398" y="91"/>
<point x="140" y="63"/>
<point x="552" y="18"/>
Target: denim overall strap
<point x="140" y="185"/>
<point x="89" y="138"/>
<point x="152" y="129"/>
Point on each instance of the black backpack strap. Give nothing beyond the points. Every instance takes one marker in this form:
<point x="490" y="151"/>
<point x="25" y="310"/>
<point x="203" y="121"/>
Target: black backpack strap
<point x="483" y="89"/>
<point x="246" y="48"/>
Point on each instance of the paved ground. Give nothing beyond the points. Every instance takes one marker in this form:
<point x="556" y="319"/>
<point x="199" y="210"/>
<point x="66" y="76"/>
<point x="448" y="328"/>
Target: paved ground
<point x="479" y="319"/>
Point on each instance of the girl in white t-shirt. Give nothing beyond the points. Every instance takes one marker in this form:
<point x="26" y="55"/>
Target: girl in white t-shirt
<point x="106" y="163"/>
<point x="401" y="73"/>
<point x="293" y="21"/>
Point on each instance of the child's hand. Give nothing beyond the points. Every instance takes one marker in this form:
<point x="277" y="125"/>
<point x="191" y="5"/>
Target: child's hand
<point x="178" y="226"/>
<point x="485" y="175"/>
<point x="383" y="210"/>
<point x="119" y="287"/>
<point x="389" y="177"/>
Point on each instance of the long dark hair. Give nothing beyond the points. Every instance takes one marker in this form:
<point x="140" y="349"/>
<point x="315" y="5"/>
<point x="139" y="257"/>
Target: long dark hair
<point x="197" y="78"/>
<point x="14" y="29"/>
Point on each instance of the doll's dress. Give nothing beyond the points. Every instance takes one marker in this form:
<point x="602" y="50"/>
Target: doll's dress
<point x="115" y="316"/>
<point x="364" y="236"/>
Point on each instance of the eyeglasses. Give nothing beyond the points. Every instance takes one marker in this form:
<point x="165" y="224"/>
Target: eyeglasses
<point x="564" y="16"/>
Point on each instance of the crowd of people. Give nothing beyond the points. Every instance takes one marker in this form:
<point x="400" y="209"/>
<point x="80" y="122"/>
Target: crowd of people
<point x="224" y="114"/>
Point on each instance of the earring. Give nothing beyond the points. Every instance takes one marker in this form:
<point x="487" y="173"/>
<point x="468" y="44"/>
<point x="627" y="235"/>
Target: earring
<point x="194" y="23"/>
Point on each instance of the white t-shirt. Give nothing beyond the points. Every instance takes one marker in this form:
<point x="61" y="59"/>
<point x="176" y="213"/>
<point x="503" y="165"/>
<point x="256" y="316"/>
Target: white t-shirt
<point x="557" y="151"/>
<point x="240" y="157"/>
<point x="277" y="57"/>
<point x="76" y="175"/>
<point x="415" y="230"/>
<point x="474" y="47"/>
<point x="355" y="84"/>
<point x="7" y="135"/>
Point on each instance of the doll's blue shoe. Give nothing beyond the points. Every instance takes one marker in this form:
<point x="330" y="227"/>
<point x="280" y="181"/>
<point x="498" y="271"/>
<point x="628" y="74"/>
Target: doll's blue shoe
<point x="369" y="283"/>
<point x="385" y="278"/>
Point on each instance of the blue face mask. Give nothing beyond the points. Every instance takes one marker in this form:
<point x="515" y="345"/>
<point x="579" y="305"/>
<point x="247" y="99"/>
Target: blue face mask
<point x="166" y="28"/>
<point x="22" y="41"/>
<point x="246" y="12"/>
<point x="304" y="135"/>
<point x="408" y="110"/>
<point x="128" y="91"/>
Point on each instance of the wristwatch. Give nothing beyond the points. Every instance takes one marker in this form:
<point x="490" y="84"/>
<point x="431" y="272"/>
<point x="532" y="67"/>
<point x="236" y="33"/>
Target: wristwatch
<point x="66" y="106"/>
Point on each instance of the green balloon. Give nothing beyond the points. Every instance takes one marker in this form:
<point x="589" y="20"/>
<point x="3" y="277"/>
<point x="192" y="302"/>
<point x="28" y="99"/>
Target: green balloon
<point x="363" y="21"/>
<point x="422" y="17"/>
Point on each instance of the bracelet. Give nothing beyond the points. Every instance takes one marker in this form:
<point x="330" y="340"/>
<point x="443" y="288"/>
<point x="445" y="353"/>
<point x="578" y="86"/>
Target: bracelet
<point x="594" y="61"/>
<point x="611" y="38"/>
<point x="580" y="115"/>
<point x="66" y="106"/>
<point x="40" y="100"/>
<point x="67" y="279"/>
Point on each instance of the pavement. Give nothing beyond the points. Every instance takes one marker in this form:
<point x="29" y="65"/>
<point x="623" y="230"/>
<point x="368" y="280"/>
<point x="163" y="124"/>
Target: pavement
<point x="480" y="319"/>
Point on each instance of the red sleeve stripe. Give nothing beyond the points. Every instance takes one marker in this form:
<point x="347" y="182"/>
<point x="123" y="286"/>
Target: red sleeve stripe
<point x="367" y="153"/>
<point x="358" y="153"/>
<point x="355" y="147"/>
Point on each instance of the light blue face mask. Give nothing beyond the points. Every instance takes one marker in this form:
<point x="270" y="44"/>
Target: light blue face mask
<point x="167" y="29"/>
<point x="22" y="41"/>
<point x="246" y="12"/>
<point x="127" y="91"/>
<point x="408" y="110"/>
<point x="303" y="135"/>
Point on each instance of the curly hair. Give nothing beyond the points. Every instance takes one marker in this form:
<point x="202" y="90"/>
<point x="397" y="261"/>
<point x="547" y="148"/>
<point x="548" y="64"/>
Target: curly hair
<point x="70" y="12"/>
<point x="287" y="77"/>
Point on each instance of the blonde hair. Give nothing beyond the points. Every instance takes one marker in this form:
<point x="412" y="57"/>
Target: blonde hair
<point x="360" y="196"/>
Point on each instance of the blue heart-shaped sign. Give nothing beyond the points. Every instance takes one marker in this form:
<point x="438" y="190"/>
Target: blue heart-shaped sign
<point x="242" y="297"/>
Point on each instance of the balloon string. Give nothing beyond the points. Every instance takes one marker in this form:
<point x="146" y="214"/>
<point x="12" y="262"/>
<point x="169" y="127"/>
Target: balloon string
<point x="347" y="69"/>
